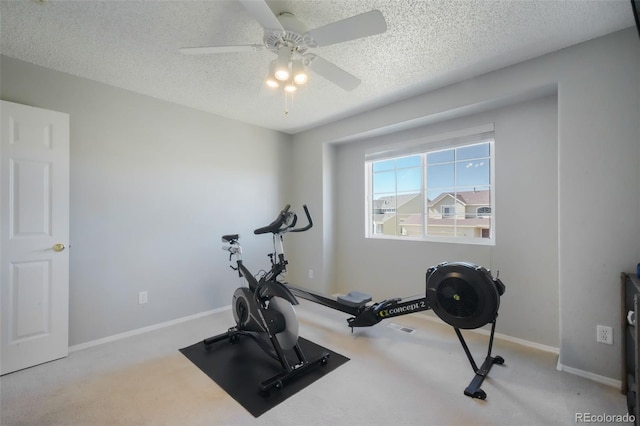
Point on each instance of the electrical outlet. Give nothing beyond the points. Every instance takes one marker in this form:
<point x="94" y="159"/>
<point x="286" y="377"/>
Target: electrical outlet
<point x="143" y="297"/>
<point x="311" y="273"/>
<point x="604" y="334"/>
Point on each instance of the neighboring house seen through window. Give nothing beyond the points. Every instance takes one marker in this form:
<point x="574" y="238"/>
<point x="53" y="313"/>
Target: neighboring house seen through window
<point x="437" y="194"/>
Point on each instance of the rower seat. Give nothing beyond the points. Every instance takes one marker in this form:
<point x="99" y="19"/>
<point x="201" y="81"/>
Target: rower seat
<point x="354" y="299"/>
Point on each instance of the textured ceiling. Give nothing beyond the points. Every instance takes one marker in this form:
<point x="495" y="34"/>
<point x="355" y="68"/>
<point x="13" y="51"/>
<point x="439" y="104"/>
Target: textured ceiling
<point x="134" y="45"/>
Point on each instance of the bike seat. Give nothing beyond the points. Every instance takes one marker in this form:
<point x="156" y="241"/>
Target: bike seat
<point x="354" y="299"/>
<point x="231" y="238"/>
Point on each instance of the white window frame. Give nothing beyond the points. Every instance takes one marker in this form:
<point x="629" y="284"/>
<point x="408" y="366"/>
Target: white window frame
<point x="423" y="146"/>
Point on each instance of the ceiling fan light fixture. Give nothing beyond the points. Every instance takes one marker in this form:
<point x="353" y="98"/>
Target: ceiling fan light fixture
<point x="281" y="65"/>
<point x="272" y="82"/>
<point x="290" y="87"/>
<point x="282" y="74"/>
<point x="301" y="78"/>
<point x="300" y="75"/>
<point x="271" y="79"/>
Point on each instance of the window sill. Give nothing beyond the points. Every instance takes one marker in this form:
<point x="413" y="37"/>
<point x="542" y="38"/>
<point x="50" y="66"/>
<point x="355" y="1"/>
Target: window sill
<point x="447" y="240"/>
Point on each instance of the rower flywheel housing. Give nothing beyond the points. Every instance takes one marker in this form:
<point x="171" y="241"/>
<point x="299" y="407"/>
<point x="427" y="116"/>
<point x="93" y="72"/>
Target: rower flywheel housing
<point x="462" y="294"/>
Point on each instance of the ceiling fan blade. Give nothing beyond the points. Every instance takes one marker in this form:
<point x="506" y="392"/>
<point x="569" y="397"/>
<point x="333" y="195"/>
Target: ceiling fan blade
<point x="334" y="74"/>
<point x="363" y="25"/>
<point x="208" y="50"/>
<point x="263" y="14"/>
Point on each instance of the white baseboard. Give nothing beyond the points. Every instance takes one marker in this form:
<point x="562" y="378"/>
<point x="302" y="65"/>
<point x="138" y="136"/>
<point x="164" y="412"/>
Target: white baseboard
<point x="586" y="374"/>
<point x="501" y="336"/>
<point x="560" y="367"/>
<point x="523" y="342"/>
<point x="591" y="376"/>
<point x="142" y="330"/>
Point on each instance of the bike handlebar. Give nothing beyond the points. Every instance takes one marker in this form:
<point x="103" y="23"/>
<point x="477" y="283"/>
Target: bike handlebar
<point x="285" y="222"/>
<point x="309" y="225"/>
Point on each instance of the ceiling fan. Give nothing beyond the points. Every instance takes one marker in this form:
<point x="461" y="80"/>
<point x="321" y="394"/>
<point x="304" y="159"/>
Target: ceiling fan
<point x="290" y="39"/>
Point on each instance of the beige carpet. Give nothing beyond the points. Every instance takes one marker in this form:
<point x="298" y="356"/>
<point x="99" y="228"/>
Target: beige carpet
<point x="393" y="378"/>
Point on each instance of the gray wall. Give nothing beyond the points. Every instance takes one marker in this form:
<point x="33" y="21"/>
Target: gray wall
<point x="153" y="187"/>
<point x="598" y="90"/>
<point x="526" y="250"/>
<point x="155" y="184"/>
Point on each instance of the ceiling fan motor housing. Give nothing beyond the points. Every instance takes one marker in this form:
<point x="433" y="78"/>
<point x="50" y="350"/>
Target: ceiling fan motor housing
<point x="294" y="35"/>
<point x="463" y="295"/>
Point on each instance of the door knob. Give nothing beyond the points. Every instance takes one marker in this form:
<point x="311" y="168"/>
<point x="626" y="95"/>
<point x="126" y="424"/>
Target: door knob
<point x="58" y="247"/>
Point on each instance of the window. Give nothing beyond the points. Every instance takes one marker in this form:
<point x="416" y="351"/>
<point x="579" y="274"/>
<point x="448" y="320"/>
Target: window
<point x="448" y="211"/>
<point x="484" y="211"/>
<point x="433" y="191"/>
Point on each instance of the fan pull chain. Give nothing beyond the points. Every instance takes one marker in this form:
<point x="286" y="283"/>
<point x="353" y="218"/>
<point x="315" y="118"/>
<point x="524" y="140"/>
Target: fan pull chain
<point x="287" y="100"/>
<point x="286" y="104"/>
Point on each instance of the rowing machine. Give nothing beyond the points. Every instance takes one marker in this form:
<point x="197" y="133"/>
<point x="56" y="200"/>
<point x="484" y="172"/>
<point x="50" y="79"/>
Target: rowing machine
<point x="463" y="295"/>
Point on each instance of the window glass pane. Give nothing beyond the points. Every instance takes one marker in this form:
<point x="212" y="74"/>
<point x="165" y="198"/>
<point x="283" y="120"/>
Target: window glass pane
<point x="384" y="182"/>
<point x="413" y="161"/>
<point x="441" y="176"/>
<point x="409" y="214"/>
<point x="473" y="151"/>
<point x="390" y="225"/>
<point x="385" y="224"/>
<point x="409" y="179"/>
<point x="380" y="166"/>
<point x="442" y="194"/>
<point x="476" y="222"/>
<point x="411" y="225"/>
<point x="441" y="213"/>
<point x="433" y="194"/>
<point x="440" y="156"/>
<point x="384" y="203"/>
<point x="473" y="172"/>
<point x="409" y="203"/>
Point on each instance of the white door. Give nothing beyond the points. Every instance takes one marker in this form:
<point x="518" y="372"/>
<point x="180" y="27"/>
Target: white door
<point x="34" y="176"/>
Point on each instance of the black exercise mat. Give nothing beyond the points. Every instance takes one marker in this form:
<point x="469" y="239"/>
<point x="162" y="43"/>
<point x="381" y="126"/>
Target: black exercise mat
<point x="238" y="368"/>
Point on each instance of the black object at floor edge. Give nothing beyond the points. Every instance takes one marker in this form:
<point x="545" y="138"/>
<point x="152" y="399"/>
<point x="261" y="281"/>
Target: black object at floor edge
<point x="238" y="368"/>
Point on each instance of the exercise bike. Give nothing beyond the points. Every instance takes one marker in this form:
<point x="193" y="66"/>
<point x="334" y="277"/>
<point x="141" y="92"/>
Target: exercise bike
<point x="463" y="295"/>
<point x="263" y="310"/>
